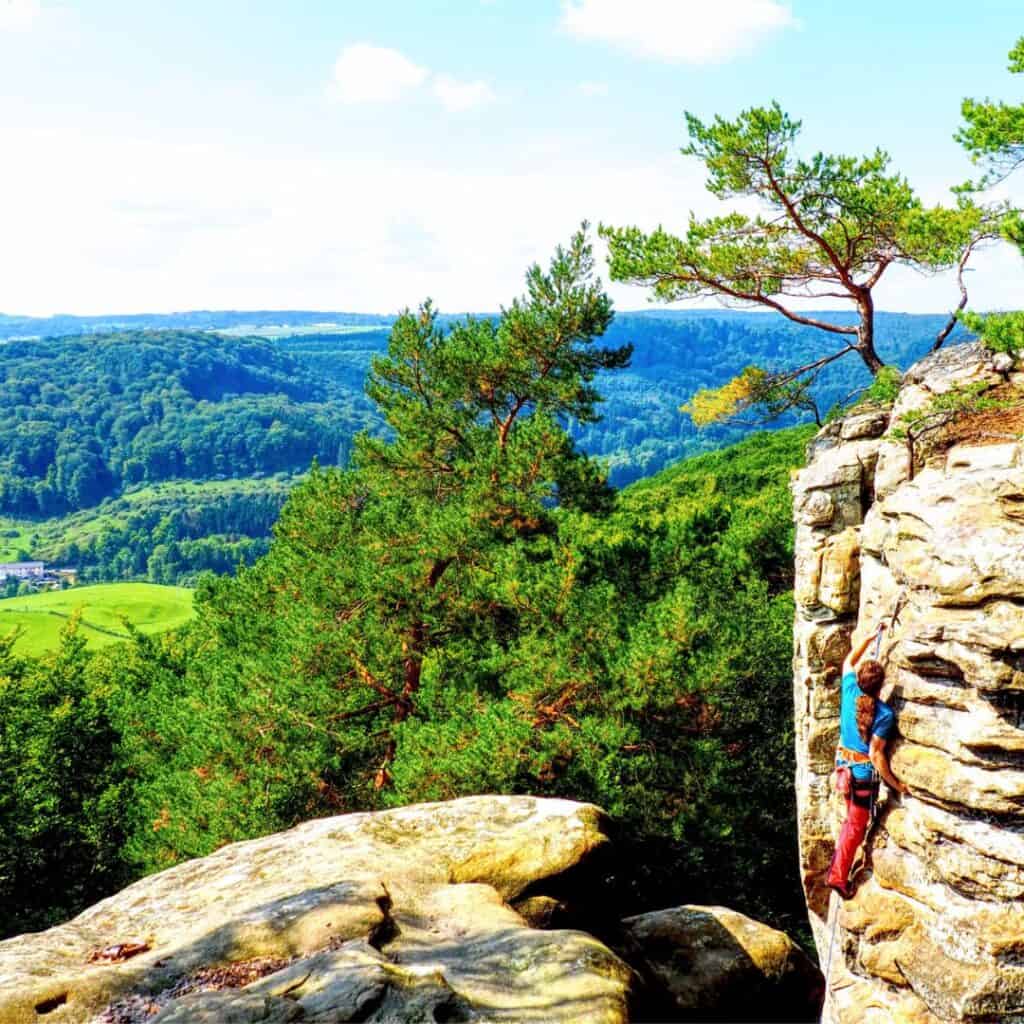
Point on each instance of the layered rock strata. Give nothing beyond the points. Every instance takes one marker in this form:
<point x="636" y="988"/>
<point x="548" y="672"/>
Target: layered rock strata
<point x="935" y="931"/>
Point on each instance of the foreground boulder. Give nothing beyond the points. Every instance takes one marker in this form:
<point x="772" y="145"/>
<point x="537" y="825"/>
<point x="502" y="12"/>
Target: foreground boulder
<point x="713" y="964"/>
<point x="437" y="912"/>
<point x="936" y="930"/>
<point x="398" y="915"/>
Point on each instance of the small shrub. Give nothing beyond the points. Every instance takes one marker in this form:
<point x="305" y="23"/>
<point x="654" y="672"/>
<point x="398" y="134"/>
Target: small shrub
<point x="998" y="332"/>
<point x="943" y="410"/>
<point x="884" y="388"/>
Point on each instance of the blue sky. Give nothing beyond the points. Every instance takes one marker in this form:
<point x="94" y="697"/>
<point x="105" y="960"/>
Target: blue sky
<point x="361" y="156"/>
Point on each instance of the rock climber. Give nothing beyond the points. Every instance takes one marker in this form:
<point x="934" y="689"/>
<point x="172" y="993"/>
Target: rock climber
<point x="866" y="723"/>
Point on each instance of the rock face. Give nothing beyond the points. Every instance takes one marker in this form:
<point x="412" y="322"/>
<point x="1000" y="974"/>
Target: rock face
<point x="399" y="915"/>
<point x="936" y="929"/>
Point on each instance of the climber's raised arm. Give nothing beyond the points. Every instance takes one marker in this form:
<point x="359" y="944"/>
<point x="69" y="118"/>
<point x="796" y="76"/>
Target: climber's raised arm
<point x="853" y="658"/>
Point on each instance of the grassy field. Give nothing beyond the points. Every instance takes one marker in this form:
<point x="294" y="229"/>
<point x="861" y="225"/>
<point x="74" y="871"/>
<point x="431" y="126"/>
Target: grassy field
<point x="149" y="607"/>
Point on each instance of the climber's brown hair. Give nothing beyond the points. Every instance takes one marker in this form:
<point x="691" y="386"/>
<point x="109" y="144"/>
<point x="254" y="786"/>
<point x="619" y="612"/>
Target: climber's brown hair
<point x="870" y="677"/>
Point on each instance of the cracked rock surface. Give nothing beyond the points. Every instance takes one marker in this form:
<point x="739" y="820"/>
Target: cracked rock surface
<point x="936" y="929"/>
<point x="396" y="915"/>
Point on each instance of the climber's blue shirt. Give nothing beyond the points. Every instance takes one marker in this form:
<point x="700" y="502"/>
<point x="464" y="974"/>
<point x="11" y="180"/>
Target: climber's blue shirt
<point x="849" y="736"/>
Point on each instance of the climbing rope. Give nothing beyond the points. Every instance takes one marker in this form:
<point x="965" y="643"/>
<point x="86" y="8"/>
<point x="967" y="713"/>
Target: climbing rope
<point x="833" y="915"/>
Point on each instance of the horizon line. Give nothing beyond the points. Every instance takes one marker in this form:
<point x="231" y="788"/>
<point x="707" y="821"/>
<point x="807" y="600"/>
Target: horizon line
<point x="292" y="311"/>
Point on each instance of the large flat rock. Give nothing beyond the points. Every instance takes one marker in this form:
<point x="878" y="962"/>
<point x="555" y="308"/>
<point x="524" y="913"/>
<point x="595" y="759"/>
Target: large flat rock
<point x="397" y="915"/>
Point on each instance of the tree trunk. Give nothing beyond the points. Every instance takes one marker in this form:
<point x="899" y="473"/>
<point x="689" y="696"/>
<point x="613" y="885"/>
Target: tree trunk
<point x="413" y="649"/>
<point x="412" y="668"/>
<point x="866" y="333"/>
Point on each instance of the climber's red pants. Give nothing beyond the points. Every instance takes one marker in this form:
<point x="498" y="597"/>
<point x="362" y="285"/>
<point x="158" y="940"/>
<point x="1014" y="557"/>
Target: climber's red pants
<point x="858" y="816"/>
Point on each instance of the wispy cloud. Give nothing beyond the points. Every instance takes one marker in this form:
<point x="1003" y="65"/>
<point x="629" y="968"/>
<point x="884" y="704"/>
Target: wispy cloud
<point x="224" y="225"/>
<point x="679" y="31"/>
<point x="374" y="74"/>
<point x="593" y="88"/>
<point x="16" y="15"/>
<point x="189" y="226"/>
<point x="455" y="95"/>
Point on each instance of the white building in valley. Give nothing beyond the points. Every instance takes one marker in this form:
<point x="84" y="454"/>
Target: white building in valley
<point x="21" y="570"/>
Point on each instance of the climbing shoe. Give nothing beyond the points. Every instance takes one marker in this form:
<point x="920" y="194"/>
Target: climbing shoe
<point x="844" y="889"/>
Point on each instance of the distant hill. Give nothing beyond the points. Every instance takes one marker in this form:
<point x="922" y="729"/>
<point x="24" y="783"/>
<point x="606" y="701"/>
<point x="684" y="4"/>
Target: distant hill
<point x="84" y="417"/>
<point x="173" y="448"/>
<point x="167" y="532"/>
<point x="41" y="617"/>
<point x="195" y="320"/>
<point x="678" y="352"/>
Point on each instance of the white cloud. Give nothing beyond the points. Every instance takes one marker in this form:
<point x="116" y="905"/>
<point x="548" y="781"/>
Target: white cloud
<point x="374" y="74"/>
<point x="224" y="226"/>
<point x="18" y="14"/>
<point x="680" y="31"/>
<point x="593" y="88"/>
<point x="456" y="96"/>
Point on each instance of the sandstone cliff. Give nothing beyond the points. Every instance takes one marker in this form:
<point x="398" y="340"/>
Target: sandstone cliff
<point x="424" y="913"/>
<point x="936" y="929"/>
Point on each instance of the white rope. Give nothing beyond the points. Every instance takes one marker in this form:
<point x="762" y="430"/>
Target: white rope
<point x="833" y="914"/>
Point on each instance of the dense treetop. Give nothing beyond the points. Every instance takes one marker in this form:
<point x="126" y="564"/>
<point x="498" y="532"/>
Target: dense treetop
<point x="83" y="418"/>
<point x="169" y="453"/>
<point x="993" y="130"/>
<point x="636" y="656"/>
<point x="993" y="134"/>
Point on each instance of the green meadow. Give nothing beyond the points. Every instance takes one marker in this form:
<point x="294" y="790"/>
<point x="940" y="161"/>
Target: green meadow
<point x="105" y="607"/>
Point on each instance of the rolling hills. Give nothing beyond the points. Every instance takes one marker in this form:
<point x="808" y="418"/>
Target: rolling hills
<point x="159" y="447"/>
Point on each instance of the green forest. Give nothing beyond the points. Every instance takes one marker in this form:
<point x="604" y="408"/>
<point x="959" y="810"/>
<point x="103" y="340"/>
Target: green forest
<point x="83" y="418"/>
<point x="467" y="606"/>
<point x="161" y="454"/>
